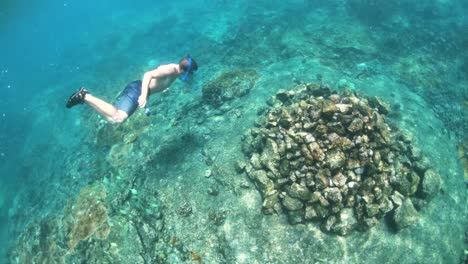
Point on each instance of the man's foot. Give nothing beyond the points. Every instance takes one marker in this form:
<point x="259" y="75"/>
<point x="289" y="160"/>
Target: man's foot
<point x="77" y="97"/>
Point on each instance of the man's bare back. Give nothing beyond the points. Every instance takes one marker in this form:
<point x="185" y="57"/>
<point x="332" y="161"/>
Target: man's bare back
<point x="165" y="79"/>
<point x="136" y="93"/>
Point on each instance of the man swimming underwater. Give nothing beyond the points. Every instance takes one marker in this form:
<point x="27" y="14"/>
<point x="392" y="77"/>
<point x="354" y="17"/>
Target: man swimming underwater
<point x="136" y="93"/>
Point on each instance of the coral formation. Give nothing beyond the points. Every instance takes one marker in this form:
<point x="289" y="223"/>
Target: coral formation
<point x="110" y="134"/>
<point x="83" y="234"/>
<point x="319" y="155"/>
<point x="87" y="216"/>
<point x="41" y="243"/>
<point x="119" y="154"/>
<point x="53" y="238"/>
<point x="228" y="86"/>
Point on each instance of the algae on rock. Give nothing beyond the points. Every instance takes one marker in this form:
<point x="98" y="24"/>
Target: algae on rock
<point x="87" y="216"/>
<point x="229" y="85"/>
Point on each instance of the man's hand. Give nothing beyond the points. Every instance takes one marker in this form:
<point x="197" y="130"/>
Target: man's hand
<point x="141" y="101"/>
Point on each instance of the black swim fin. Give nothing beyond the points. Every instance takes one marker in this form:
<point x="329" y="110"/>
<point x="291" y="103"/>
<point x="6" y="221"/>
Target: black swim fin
<point x="77" y="97"/>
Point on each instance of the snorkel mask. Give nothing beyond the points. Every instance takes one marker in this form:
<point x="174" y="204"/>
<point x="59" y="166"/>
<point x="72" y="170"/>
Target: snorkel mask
<point x="189" y="69"/>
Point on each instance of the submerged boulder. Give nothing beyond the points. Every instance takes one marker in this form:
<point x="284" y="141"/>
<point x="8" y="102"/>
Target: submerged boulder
<point x="430" y="184"/>
<point x="405" y="215"/>
<point x="229" y="85"/>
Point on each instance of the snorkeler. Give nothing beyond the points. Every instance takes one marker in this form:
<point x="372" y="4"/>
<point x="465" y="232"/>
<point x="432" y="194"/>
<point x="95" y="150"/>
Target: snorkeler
<point x="136" y="93"/>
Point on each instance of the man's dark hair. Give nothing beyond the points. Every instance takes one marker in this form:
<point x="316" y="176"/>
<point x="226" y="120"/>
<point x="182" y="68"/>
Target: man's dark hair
<point x="183" y="63"/>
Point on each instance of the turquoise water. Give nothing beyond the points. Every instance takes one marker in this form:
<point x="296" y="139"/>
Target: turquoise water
<point x="167" y="183"/>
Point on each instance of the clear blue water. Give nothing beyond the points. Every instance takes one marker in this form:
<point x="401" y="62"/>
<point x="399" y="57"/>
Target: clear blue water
<point x="411" y="54"/>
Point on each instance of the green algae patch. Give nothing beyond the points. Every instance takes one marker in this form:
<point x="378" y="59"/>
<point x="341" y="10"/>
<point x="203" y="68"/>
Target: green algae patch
<point x="87" y="216"/>
<point x="229" y="85"/>
<point x="120" y="155"/>
<point x="54" y="238"/>
<point x="128" y="132"/>
<point x="462" y="149"/>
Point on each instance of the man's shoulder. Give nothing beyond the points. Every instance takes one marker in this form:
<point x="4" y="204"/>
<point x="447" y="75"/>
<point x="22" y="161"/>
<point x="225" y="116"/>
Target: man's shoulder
<point x="167" y="68"/>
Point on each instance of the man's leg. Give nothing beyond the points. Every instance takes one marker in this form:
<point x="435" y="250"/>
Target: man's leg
<point x="108" y="111"/>
<point x="105" y="109"/>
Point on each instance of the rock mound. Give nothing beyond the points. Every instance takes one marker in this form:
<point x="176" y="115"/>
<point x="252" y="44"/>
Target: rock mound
<point x="321" y="156"/>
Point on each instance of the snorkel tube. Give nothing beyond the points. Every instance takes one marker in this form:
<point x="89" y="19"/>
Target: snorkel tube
<point x="189" y="69"/>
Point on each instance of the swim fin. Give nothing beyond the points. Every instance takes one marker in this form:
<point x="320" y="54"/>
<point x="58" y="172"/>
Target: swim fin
<point x="77" y="97"/>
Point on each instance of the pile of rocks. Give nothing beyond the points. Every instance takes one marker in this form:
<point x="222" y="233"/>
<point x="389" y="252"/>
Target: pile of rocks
<point x="318" y="155"/>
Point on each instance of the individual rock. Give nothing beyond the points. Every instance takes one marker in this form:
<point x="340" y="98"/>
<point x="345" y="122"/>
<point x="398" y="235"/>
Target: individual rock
<point x="213" y="190"/>
<point x="282" y="95"/>
<point x="310" y="213"/>
<point x="339" y="180"/>
<point x="346" y="223"/>
<point x="345" y="143"/>
<point x="414" y="153"/>
<point x="318" y="90"/>
<point x="382" y="106"/>
<point x="280" y="182"/>
<point x="255" y="161"/>
<point x="261" y="179"/>
<point x="385" y="206"/>
<point x="372" y="210"/>
<point x="296" y="217"/>
<point x="286" y="120"/>
<point x="317" y="152"/>
<point x="321" y="129"/>
<point x="369" y="222"/>
<point x="420" y="166"/>
<point x="397" y="198"/>
<point x="406" y="183"/>
<point x="299" y="191"/>
<point x="291" y="204"/>
<point x="284" y="168"/>
<point x="185" y="209"/>
<point x="315" y="197"/>
<point x="269" y="202"/>
<point x="336" y="159"/>
<point x="247" y="145"/>
<point x="405" y="215"/>
<point x="336" y="127"/>
<point x="333" y="195"/>
<point x="308" y="126"/>
<point x="419" y="203"/>
<point x="270" y="153"/>
<point x="322" y="211"/>
<point x="322" y="180"/>
<point x="335" y="98"/>
<point x="229" y="85"/>
<point x="328" y="224"/>
<point x="430" y="184"/>
<point x="352" y="164"/>
<point x="208" y="173"/>
<point x="240" y="166"/>
<point x="414" y="179"/>
<point x="356" y="125"/>
<point x="343" y="108"/>
<point x="328" y="107"/>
